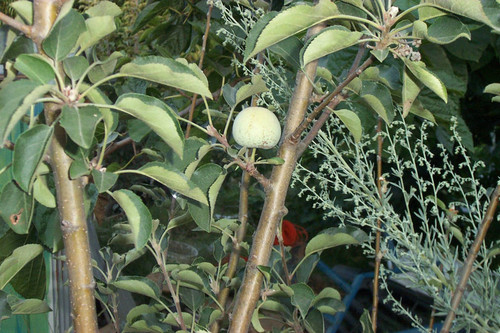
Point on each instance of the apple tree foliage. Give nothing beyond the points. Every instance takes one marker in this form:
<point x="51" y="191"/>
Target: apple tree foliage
<point x="121" y="85"/>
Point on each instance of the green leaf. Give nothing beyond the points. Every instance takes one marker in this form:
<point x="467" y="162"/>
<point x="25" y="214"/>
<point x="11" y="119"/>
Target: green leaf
<point x="256" y="321"/>
<point x="366" y="322"/>
<point x="104" y="8"/>
<point x="190" y="279"/>
<point x="172" y="319"/>
<point x="139" y="285"/>
<point x="378" y="97"/>
<point x="24" y="9"/>
<point x="425" y="76"/>
<point x="410" y="92"/>
<point x="47" y="224"/>
<point x="64" y="35"/>
<point x="209" y="179"/>
<point x="485" y="11"/>
<point x="98" y="27"/>
<point x="30" y="281"/>
<point x="137" y="129"/>
<point x="104" y="180"/>
<point x="289" y="49"/>
<point x="271" y="30"/>
<point x="138" y="216"/>
<point x="35" y="67"/>
<point x="257" y="86"/>
<point x="29" y="151"/>
<point x="173" y="179"/>
<point x="192" y="298"/>
<point x="328" y="41"/>
<point x="333" y="237"/>
<point x="80" y="123"/>
<point x="15" y="99"/>
<point x="102" y="69"/>
<point x="16" y="261"/>
<point x="380" y="55"/>
<point x="351" y="120"/>
<point x="302" y="298"/>
<point x="16" y="208"/>
<point x="97" y="96"/>
<point x="157" y="115"/>
<point x="443" y="30"/>
<point x="493" y="88"/>
<point x="30" y="306"/>
<point x="75" y="67"/>
<point x="194" y="150"/>
<point x="314" y="322"/>
<point x="42" y="193"/>
<point x="168" y="72"/>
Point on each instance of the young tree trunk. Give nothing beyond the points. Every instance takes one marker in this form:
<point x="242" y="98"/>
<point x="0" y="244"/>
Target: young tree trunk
<point x="69" y="196"/>
<point x="274" y="206"/>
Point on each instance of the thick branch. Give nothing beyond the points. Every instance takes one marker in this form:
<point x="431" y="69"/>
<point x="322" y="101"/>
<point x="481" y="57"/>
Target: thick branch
<point x="471" y="257"/>
<point x="274" y="208"/>
<point x="25" y="29"/>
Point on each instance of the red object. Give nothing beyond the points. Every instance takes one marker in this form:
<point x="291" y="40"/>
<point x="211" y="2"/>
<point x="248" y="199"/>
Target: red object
<point x="293" y="234"/>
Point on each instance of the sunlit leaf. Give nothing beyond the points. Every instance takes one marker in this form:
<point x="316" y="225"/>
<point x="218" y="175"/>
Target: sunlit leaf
<point x="35" y="67"/>
<point x="443" y="30"/>
<point x="273" y="29"/>
<point x="104" y="180"/>
<point x="98" y="27"/>
<point x="257" y="86"/>
<point x="64" y="35"/>
<point x="351" y="120"/>
<point x="138" y="216"/>
<point x="328" y="41"/>
<point x="173" y="179"/>
<point x="333" y="237"/>
<point x="157" y="115"/>
<point x="410" y="92"/>
<point x="431" y="81"/>
<point x="139" y="285"/>
<point x="30" y="306"/>
<point x="168" y="72"/>
<point x="15" y="99"/>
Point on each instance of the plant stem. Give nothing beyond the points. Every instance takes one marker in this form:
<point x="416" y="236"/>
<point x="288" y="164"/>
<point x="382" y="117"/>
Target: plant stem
<point x="378" y="254"/>
<point x="235" y="252"/>
<point x="274" y="205"/>
<point x="200" y="65"/>
<point x="70" y="201"/>
<point x="161" y="259"/>
<point x="25" y="29"/>
<point x="75" y="236"/>
<point x="471" y="257"/>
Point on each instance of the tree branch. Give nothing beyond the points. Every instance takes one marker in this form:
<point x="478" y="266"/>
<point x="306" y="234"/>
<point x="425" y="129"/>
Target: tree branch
<point x="24" y="28"/>
<point x="471" y="257"/>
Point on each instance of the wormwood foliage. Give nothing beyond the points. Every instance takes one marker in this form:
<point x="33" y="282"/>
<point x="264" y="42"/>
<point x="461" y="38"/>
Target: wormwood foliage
<point x="431" y="208"/>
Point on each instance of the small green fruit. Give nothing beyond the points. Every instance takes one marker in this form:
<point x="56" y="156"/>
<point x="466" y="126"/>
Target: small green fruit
<point x="256" y="127"/>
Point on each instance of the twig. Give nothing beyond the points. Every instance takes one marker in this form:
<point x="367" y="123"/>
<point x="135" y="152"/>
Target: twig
<point x="248" y="167"/>
<point x="378" y="254"/>
<point x="8" y="145"/>
<point x="326" y="101"/>
<point x="200" y="65"/>
<point x="235" y="252"/>
<point x="160" y="260"/>
<point x="332" y="102"/>
<point x="25" y="29"/>
<point x="471" y="257"/>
